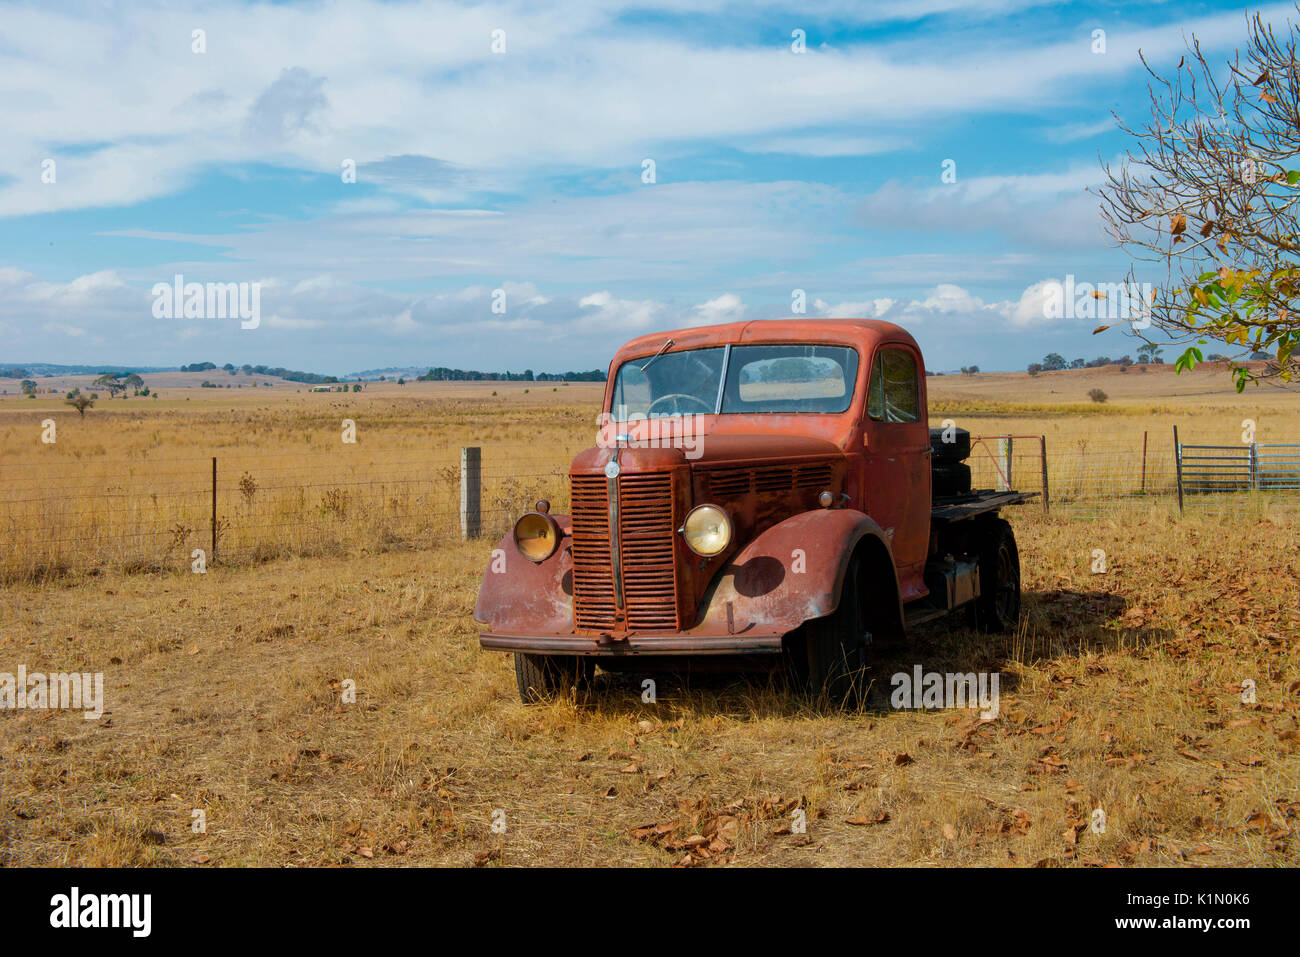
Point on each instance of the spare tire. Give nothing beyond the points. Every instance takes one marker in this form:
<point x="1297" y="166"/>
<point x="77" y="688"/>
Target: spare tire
<point x="949" y="479"/>
<point x="955" y="450"/>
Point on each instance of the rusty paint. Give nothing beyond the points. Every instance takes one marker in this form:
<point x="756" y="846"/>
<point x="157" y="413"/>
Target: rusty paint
<point x="756" y="594"/>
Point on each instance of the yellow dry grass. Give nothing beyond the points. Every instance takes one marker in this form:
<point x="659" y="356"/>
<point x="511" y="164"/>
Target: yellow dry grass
<point x="130" y="484"/>
<point x="1121" y="691"/>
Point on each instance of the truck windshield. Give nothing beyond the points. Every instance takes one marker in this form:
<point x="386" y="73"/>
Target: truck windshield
<point x="675" y="383"/>
<point x="759" y="378"/>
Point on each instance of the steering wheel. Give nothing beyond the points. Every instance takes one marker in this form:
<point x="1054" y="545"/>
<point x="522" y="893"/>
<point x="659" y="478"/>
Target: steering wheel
<point x="677" y="408"/>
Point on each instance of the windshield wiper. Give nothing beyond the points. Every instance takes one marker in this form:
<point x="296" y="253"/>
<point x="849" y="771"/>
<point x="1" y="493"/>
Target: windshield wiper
<point x="666" y="346"/>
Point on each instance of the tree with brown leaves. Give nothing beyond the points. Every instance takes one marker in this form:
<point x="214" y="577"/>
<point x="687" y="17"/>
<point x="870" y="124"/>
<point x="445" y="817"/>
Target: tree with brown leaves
<point x="1208" y="194"/>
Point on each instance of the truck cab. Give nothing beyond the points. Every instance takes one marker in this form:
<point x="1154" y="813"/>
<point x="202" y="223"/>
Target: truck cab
<point x="760" y="490"/>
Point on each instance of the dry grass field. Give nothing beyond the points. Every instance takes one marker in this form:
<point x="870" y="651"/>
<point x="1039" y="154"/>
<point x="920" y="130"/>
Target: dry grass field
<point x="1121" y="691"/>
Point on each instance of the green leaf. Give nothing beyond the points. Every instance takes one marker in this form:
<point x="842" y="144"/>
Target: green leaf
<point x="1292" y="176"/>
<point x="1188" y="360"/>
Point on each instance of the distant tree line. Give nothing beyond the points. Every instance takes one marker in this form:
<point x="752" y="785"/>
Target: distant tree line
<point x="441" y="374"/>
<point x="14" y="373"/>
<point x="438" y="374"/>
<point x="1055" y="362"/>
<point x="291" y="375"/>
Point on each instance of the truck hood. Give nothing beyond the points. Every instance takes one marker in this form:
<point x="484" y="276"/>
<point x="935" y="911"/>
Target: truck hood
<point x="643" y="453"/>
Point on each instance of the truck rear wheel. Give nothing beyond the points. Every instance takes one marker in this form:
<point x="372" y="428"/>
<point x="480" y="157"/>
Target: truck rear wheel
<point x="543" y="678"/>
<point x="998" y="607"/>
<point x="835" y="647"/>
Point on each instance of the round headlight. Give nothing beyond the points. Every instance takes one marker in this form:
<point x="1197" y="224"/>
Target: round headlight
<point x="536" y="536"/>
<point x="707" y="530"/>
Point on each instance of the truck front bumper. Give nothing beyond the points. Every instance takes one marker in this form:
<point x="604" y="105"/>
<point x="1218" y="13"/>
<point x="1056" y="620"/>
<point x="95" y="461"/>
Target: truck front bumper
<point x="608" y="646"/>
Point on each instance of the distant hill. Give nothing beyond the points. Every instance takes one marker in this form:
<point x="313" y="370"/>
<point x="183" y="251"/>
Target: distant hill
<point x="392" y="372"/>
<point x="46" y="370"/>
<point x="38" y="370"/>
<point x="31" y="370"/>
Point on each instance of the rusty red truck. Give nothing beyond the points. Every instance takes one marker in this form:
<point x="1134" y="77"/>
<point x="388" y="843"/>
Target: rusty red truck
<point x="769" y="490"/>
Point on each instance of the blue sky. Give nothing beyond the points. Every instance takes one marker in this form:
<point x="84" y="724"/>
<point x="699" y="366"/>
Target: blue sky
<point x="522" y="171"/>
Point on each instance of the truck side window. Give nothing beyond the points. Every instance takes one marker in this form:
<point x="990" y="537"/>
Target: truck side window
<point x="892" y="394"/>
<point x="876" y="392"/>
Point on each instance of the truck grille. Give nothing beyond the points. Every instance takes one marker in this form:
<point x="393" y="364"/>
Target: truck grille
<point x="729" y="484"/>
<point x="647" y="541"/>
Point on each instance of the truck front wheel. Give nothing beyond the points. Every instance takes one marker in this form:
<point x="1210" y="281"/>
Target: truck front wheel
<point x="544" y="678"/>
<point x="835" y="647"/>
<point x="998" y="607"/>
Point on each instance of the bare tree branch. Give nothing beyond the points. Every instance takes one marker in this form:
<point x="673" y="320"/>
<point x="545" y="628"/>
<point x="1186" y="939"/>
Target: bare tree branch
<point x="1208" y="192"/>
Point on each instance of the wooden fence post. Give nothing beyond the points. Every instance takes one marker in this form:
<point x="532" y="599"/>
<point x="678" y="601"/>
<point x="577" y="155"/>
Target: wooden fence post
<point x="471" y="492"/>
<point x="213" y="558"/>
<point x="1042" y="449"/>
<point x="1004" y="481"/>
<point x="1144" y="461"/>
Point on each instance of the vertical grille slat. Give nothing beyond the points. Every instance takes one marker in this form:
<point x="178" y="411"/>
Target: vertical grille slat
<point x="647" y="539"/>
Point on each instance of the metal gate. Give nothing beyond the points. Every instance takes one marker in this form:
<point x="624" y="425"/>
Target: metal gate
<point x="1277" y="467"/>
<point x="1237" y="468"/>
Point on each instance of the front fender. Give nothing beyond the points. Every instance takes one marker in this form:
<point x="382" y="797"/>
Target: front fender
<point x="520" y="595"/>
<point x="793" y="573"/>
<point x="790" y="574"/>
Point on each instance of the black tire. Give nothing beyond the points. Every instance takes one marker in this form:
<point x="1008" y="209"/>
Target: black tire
<point x="998" y="607"/>
<point x="835" y="647"/>
<point x="957" y="450"/>
<point x="543" y="678"/>
<point x="949" y="479"/>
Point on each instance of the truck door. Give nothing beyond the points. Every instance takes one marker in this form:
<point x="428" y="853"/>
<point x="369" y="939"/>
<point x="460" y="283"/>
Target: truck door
<point x="897" y="461"/>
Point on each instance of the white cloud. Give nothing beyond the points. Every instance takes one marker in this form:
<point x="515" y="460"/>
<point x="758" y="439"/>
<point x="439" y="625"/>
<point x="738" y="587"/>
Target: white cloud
<point x="309" y="85"/>
<point x="1071" y="132"/>
<point x="725" y="308"/>
<point x="63" y="329"/>
<point x="865" y="309"/>
<point x="1049" y="209"/>
<point x="629" y="235"/>
<point x="947" y="298"/>
<point x="1032" y="309"/>
<point x="601" y="311"/>
<point x="829" y="145"/>
<point x="950" y="306"/>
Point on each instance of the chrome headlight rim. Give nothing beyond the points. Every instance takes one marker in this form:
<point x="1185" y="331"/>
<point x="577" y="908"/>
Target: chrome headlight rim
<point x="554" y="536"/>
<point x="726" y="522"/>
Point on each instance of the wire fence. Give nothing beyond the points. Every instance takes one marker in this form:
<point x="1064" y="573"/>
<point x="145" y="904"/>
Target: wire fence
<point x="1083" y="477"/>
<point x="256" y="508"/>
<point x="1076" y="473"/>
<point x="154" y="515"/>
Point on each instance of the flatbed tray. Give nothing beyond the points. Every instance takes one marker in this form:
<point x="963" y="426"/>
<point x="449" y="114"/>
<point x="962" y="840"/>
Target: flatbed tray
<point x="977" y="502"/>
